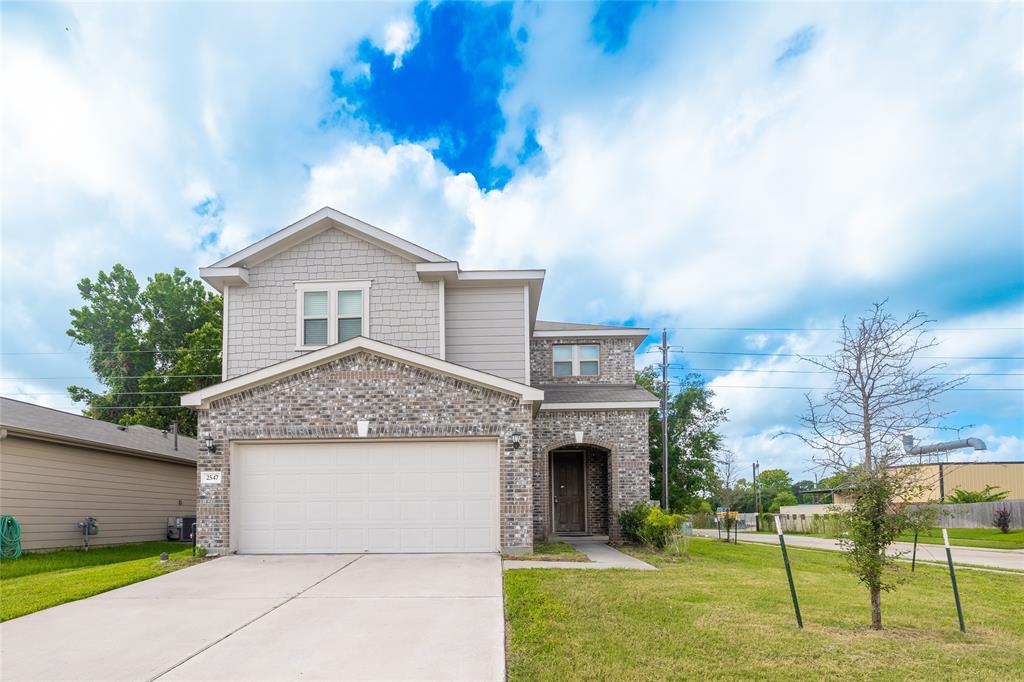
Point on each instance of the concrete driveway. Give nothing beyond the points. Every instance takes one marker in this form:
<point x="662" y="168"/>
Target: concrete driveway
<point x="277" y="618"/>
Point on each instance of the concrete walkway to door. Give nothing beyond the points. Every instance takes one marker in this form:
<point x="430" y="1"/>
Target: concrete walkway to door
<point x="336" y="617"/>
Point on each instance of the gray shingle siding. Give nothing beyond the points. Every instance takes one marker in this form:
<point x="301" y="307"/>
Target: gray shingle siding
<point x="261" y="317"/>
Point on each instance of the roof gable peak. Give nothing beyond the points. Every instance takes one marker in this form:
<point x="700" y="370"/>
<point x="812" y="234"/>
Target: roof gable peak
<point x="315" y="223"/>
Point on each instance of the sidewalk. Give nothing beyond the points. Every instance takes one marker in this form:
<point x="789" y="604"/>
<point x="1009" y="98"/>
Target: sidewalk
<point x="600" y="555"/>
<point x="977" y="556"/>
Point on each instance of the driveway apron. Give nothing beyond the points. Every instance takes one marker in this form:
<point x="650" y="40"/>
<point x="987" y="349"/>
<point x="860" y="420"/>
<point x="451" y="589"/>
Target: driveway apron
<point x="327" y="617"/>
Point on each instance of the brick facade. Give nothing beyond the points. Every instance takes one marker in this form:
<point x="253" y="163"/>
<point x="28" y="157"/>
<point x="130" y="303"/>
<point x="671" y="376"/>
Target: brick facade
<point x="400" y="401"/>
<point x="622" y="434"/>
<point x="617" y="364"/>
<point x="597" y="491"/>
<point x="260" y="324"/>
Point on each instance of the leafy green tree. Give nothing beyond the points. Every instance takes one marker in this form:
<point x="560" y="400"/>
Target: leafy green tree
<point x="783" y="499"/>
<point x="774" y="481"/>
<point x="990" y="494"/>
<point x="694" y="441"/>
<point x="147" y="346"/>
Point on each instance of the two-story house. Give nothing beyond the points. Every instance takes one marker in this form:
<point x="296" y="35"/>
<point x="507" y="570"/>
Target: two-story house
<point x="376" y="397"/>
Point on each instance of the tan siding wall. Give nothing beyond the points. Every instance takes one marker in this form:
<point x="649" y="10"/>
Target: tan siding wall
<point x="50" y="487"/>
<point x="485" y="328"/>
<point x="1007" y="476"/>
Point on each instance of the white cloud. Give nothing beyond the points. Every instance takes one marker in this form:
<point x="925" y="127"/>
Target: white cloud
<point x="400" y="36"/>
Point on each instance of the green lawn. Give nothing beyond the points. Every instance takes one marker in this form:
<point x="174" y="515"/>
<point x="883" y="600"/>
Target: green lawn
<point x="40" y="580"/>
<point x="991" y="538"/>
<point x="726" y="614"/>
<point x="551" y="551"/>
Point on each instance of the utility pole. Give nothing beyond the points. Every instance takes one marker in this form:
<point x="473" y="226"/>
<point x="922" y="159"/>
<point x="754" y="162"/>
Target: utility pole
<point x="664" y="419"/>
<point x="757" y="500"/>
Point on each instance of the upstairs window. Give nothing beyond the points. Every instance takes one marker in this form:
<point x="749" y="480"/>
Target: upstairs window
<point x="314" y="318"/>
<point x="330" y="312"/>
<point x="350" y="314"/>
<point x="581" y="360"/>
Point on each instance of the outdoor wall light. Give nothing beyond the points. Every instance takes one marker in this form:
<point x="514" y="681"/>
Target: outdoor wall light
<point x="517" y="440"/>
<point x="210" y="445"/>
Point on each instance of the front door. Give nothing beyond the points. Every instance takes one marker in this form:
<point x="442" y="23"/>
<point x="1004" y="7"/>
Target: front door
<point x="567" y="477"/>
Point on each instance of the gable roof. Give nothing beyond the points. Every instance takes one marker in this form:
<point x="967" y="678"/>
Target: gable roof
<point x="317" y="222"/>
<point x="203" y="397"/>
<point x="36" y="421"/>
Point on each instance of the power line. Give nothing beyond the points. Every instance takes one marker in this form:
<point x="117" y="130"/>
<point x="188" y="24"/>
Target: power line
<point x="140" y="376"/>
<point x="829" y="388"/>
<point x="834" y="329"/>
<point x="9" y="394"/>
<point x="113" y="352"/>
<point x="818" y="371"/>
<point x="680" y="351"/>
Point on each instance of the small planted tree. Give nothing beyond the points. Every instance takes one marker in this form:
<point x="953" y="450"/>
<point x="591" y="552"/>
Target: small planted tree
<point x="880" y="390"/>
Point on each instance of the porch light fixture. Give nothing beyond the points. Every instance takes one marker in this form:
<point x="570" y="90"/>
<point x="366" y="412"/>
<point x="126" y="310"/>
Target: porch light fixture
<point x="210" y="445"/>
<point x="517" y="440"/>
<point x="362" y="427"/>
<point x="579" y="436"/>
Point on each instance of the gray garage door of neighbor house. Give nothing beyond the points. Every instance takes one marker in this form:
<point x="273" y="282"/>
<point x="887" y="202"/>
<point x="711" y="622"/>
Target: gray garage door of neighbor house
<point x="365" y="496"/>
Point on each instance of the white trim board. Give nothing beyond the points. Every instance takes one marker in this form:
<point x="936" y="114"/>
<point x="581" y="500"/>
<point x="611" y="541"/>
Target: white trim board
<point x="203" y="397"/>
<point x="314" y="224"/>
<point x="638" y="405"/>
<point x="639" y="332"/>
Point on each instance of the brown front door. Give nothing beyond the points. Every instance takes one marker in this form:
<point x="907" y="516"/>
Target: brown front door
<point x="567" y="476"/>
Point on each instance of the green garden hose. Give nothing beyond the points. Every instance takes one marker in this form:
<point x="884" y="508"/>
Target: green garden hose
<point x="10" y="537"/>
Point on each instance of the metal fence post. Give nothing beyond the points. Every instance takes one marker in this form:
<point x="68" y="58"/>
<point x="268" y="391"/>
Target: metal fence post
<point x="952" y="578"/>
<point x="789" y="573"/>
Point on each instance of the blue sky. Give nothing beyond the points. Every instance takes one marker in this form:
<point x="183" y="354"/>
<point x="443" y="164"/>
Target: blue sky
<point x="723" y="170"/>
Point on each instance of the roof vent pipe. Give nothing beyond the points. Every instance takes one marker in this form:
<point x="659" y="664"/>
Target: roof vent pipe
<point x="911" y="449"/>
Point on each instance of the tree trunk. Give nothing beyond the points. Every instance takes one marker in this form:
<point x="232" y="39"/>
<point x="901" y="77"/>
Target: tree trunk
<point x="876" y="608"/>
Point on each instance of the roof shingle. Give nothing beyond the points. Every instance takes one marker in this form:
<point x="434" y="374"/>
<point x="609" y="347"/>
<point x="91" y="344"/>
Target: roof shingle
<point x="18" y="416"/>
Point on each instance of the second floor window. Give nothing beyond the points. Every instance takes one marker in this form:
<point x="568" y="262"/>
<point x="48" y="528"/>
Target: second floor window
<point x="331" y="312"/>
<point x="582" y="360"/>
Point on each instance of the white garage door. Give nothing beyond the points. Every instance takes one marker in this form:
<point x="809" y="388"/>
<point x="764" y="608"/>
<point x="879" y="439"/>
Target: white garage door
<point x="427" y="496"/>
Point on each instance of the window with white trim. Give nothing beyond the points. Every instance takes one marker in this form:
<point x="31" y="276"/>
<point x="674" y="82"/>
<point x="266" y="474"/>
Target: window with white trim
<point x="330" y="312"/>
<point x="576" y="360"/>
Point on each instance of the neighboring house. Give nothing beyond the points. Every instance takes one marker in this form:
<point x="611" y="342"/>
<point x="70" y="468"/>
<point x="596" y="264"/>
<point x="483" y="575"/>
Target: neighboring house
<point x="379" y="398"/>
<point x="57" y="468"/>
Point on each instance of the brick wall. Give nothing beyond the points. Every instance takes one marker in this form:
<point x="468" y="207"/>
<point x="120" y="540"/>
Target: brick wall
<point x="400" y="401"/>
<point x="597" y="491"/>
<point x="617" y="362"/>
<point x="261" y="317"/>
<point x="622" y="433"/>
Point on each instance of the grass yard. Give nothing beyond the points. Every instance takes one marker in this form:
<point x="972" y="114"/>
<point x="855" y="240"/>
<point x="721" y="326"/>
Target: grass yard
<point x="992" y="538"/>
<point x="726" y="614"/>
<point x="551" y="551"/>
<point x="39" y="580"/>
<point x="989" y="538"/>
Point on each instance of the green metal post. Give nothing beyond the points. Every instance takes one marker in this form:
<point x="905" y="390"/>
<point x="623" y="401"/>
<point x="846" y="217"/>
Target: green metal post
<point x="789" y="573"/>
<point x="952" y="578"/>
<point x="913" y="559"/>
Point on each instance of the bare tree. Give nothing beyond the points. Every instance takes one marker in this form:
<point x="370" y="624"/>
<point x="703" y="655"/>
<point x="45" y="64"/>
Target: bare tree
<point x="880" y="391"/>
<point x="727" y="473"/>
